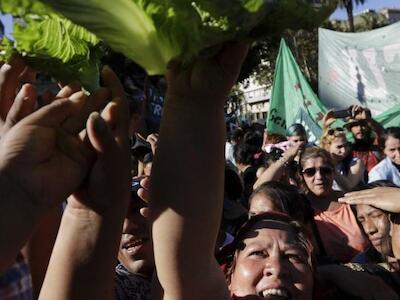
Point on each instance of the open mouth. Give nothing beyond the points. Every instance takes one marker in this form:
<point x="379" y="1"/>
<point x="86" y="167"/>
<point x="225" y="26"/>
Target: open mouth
<point x="275" y="294"/>
<point x="134" y="244"/>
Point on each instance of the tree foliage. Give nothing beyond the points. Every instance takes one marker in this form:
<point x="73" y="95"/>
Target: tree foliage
<point x="349" y="6"/>
<point x="260" y="63"/>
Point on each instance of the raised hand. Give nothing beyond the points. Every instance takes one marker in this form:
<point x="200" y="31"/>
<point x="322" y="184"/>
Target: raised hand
<point x="153" y="140"/>
<point x="207" y="80"/>
<point x="328" y="119"/>
<point x="386" y="198"/>
<point x="15" y="102"/>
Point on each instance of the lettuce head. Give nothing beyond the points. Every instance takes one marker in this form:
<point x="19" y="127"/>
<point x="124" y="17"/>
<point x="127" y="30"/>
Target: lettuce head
<point x="152" y="32"/>
<point x="51" y="43"/>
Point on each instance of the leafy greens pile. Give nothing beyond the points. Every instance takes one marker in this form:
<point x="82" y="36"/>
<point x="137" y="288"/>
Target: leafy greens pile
<point x="152" y="32"/>
<point x="49" y="42"/>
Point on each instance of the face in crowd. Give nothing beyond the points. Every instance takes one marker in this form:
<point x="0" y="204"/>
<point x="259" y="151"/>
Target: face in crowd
<point x="317" y="174"/>
<point x="295" y="140"/>
<point x="395" y="234"/>
<point x="392" y="149"/>
<point x="338" y="148"/>
<point x="261" y="203"/>
<point x="136" y="249"/>
<point x="359" y="131"/>
<point x="376" y="225"/>
<point x="271" y="263"/>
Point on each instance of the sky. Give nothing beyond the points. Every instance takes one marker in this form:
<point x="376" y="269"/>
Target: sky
<point x="369" y="4"/>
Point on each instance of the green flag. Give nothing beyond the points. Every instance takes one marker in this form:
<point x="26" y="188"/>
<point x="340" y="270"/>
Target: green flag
<point x="390" y="117"/>
<point x="292" y="99"/>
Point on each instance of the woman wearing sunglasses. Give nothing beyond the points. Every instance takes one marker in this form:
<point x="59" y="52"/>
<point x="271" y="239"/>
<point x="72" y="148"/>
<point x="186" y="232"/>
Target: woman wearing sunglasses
<point x="341" y="236"/>
<point x="349" y="170"/>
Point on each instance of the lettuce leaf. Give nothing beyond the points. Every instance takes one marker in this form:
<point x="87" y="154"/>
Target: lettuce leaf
<point x="152" y="32"/>
<point x="51" y="43"/>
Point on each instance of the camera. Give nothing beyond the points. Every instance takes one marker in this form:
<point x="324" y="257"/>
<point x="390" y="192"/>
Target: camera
<point x="342" y="114"/>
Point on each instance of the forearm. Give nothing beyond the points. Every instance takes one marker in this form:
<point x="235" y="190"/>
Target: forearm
<point x="272" y="173"/>
<point x="18" y="218"/>
<point x="40" y="245"/>
<point x="342" y="182"/>
<point x="83" y="260"/>
<point x="187" y="191"/>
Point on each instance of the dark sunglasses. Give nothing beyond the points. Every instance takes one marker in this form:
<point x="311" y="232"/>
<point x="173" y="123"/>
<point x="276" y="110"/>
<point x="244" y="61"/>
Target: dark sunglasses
<point x="309" y="172"/>
<point x="332" y="131"/>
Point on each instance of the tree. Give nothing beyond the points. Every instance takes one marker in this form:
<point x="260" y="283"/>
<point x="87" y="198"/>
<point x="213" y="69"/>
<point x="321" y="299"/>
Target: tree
<point x="348" y="5"/>
<point x="260" y="62"/>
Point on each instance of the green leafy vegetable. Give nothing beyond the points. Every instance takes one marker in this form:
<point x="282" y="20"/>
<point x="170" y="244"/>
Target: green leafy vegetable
<point x="49" y="42"/>
<point x="152" y="32"/>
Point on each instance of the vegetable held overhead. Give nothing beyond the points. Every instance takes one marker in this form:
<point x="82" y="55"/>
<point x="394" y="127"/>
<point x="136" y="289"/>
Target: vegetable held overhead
<point x="152" y="32"/>
<point x="51" y="43"/>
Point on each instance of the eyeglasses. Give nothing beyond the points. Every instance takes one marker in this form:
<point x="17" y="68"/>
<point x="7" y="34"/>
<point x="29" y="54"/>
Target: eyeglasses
<point x="324" y="171"/>
<point x="332" y="131"/>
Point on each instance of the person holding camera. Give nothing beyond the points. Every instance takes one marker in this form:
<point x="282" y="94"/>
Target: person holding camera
<point x="366" y="133"/>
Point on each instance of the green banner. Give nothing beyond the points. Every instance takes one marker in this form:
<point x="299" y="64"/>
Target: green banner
<point x="292" y="99"/>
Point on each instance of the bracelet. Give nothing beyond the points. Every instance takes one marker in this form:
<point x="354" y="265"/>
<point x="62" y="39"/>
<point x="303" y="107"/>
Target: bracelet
<point x="284" y="161"/>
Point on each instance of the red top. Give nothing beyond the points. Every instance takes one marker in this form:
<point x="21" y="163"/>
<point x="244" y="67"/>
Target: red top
<point x="340" y="233"/>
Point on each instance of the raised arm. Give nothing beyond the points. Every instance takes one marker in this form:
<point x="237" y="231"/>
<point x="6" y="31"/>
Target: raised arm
<point x="83" y="260"/>
<point x="354" y="177"/>
<point x="187" y="176"/>
<point x="275" y="171"/>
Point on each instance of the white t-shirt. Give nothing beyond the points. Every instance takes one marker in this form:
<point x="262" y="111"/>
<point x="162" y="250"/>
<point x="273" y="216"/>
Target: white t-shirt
<point x="385" y="170"/>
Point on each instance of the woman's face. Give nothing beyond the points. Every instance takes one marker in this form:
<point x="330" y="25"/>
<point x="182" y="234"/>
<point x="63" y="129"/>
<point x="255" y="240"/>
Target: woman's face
<point x="392" y="149"/>
<point x="339" y="148"/>
<point x="272" y="265"/>
<point x="261" y="203"/>
<point x="318" y="176"/>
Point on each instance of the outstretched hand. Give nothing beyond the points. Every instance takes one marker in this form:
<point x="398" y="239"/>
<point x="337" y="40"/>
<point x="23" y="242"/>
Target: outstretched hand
<point x="386" y="198"/>
<point x="328" y="119"/>
<point x="17" y="100"/>
<point x="41" y="153"/>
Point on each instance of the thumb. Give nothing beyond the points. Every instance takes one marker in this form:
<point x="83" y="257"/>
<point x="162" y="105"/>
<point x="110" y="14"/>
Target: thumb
<point x="100" y="135"/>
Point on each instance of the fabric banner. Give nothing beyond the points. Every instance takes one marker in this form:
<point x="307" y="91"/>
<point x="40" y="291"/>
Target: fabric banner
<point x="292" y="99"/>
<point x="360" y="68"/>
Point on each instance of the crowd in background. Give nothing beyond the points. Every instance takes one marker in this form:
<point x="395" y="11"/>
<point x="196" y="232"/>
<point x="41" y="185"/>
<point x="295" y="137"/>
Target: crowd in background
<point x="93" y="206"/>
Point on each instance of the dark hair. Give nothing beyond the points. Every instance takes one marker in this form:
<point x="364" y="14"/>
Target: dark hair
<point x="233" y="184"/>
<point x="244" y="154"/>
<point x="301" y="235"/>
<point x="236" y="135"/>
<point x="393" y="132"/>
<point x="287" y="198"/>
<point x="272" y="156"/>
<point x="296" y="129"/>
<point x="254" y="139"/>
<point x="377" y="183"/>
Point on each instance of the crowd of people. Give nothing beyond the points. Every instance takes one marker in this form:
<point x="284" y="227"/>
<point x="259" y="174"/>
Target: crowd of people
<point x="93" y="208"/>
